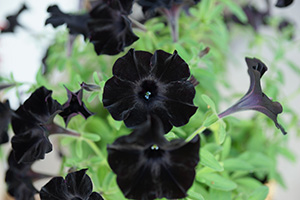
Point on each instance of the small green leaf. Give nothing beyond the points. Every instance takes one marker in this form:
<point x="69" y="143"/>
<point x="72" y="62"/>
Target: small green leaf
<point x="92" y="97"/>
<point x="236" y="10"/>
<point x="107" y="181"/>
<point x="226" y="148"/>
<point x="91" y="136"/>
<point x="259" y="194"/>
<point x="67" y="140"/>
<point x="195" y="195"/>
<point x="236" y="164"/>
<point x="209" y="102"/>
<point x="219" y="194"/>
<point x="96" y="78"/>
<point x="207" y="159"/>
<point x="216" y="181"/>
<point x="79" y="151"/>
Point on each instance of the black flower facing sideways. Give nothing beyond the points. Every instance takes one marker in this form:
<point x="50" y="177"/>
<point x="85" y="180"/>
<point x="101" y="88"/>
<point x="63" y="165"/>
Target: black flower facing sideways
<point x="19" y="179"/>
<point x="76" y="186"/>
<point x="74" y="106"/>
<point x="255" y="99"/>
<point x="76" y="23"/>
<point x="13" y="21"/>
<point x="5" y="116"/>
<point x="32" y="123"/>
<point x="148" y="166"/>
<point x="283" y="3"/>
<point x="150" y="84"/>
<point x="154" y="4"/>
<point x="39" y="109"/>
<point x="110" y="28"/>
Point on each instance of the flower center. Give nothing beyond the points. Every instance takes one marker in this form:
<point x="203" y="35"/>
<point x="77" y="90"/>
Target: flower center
<point x="154" y="147"/>
<point x="147" y="90"/>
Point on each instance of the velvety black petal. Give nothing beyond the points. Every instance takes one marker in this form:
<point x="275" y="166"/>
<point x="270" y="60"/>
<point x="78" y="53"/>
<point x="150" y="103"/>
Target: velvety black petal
<point x="38" y="109"/>
<point x="180" y="113"/>
<point x="55" y="189"/>
<point x="5" y="116"/>
<point x="110" y="31"/>
<point x="124" y="6"/>
<point x="283" y="3"/>
<point x="134" y="66"/>
<point x="137" y="116"/>
<point x="149" y="167"/>
<point x="255" y="99"/>
<point x="167" y="67"/>
<point x="77" y="24"/>
<point x="118" y="98"/>
<point x="74" y="106"/>
<point x="77" y="185"/>
<point x="18" y="180"/>
<point x="31" y="145"/>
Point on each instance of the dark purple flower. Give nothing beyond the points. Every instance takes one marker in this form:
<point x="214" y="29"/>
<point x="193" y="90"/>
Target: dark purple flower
<point x="74" y="106"/>
<point x="148" y="166"/>
<point x="76" y="23"/>
<point x="146" y="84"/>
<point x="19" y="179"/>
<point x="255" y="17"/>
<point x="39" y="109"/>
<point x="31" y="145"/>
<point x="5" y="116"/>
<point x="110" y="29"/>
<point x="283" y="3"/>
<point x="33" y="123"/>
<point x="13" y="21"/>
<point x="77" y="185"/>
<point x="255" y="99"/>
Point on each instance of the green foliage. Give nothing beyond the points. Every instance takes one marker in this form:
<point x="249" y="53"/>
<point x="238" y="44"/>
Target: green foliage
<point x="234" y="159"/>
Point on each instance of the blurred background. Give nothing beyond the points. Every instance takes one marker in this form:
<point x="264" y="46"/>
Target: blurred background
<point x="21" y="54"/>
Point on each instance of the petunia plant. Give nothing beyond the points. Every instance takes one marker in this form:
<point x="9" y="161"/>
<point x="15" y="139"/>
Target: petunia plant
<point x="142" y="107"/>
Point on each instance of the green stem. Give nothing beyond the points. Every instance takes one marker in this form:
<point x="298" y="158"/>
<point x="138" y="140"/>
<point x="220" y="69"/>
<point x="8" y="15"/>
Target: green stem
<point x="94" y="147"/>
<point x="198" y="131"/>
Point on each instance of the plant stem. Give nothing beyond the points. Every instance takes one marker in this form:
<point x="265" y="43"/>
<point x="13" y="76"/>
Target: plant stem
<point x="172" y="17"/>
<point x="56" y="129"/>
<point x="137" y="24"/>
<point x="198" y="131"/>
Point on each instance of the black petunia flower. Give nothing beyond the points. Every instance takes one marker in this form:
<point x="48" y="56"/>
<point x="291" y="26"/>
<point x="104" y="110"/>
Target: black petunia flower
<point x="13" y="21"/>
<point x="148" y="166"/>
<point x="77" y="185"/>
<point x="150" y="84"/>
<point x="5" y="116"/>
<point x="33" y="123"/>
<point x="38" y="110"/>
<point x="255" y="99"/>
<point x="283" y="3"/>
<point x="110" y="29"/>
<point x="19" y="179"/>
<point x="74" y="106"/>
<point x="76" y="23"/>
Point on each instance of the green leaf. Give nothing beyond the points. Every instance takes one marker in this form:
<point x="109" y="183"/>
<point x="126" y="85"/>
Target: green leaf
<point x="236" y="164"/>
<point x="67" y="140"/>
<point x="96" y="78"/>
<point x="226" y="148"/>
<point x="219" y="194"/>
<point x="287" y="153"/>
<point x="107" y="181"/>
<point x="207" y="159"/>
<point x="92" y="97"/>
<point x="248" y="184"/>
<point x="91" y="136"/>
<point x="216" y="181"/>
<point x="79" y="151"/>
<point x="209" y="102"/>
<point x="195" y="195"/>
<point x="260" y="193"/>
